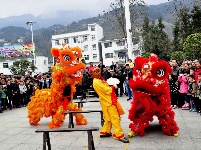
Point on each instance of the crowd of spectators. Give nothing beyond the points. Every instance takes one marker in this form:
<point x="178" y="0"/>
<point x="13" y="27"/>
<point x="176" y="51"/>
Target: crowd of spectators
<point x="185" y="84"/>
<point x="15" y="91"/>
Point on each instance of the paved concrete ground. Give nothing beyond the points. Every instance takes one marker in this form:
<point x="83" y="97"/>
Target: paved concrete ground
<point x="17" y="134"/>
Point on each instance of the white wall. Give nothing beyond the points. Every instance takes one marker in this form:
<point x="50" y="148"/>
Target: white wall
<point x="39" y="64"/>
<point x="6" y="71"/>
<point x="42" y="64"/>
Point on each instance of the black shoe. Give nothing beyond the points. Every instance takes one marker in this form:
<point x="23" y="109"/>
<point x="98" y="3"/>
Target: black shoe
<point x="1" y="111"/>
<point x="106" y="135"/>
<point x="129" y="99"/>
<point x="124" y="140"/>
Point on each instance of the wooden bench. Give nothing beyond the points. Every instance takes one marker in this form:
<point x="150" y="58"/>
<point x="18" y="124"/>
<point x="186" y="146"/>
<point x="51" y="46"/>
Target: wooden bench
<point x="80" y="103"/>
<point x="46" y="137"/>
<point x="90" y="93"/>
<point x="79" y="97"/>
<point x="71" y="124"/>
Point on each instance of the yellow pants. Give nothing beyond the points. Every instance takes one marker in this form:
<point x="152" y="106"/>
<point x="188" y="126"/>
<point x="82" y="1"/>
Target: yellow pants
<point x="114" y="122"/>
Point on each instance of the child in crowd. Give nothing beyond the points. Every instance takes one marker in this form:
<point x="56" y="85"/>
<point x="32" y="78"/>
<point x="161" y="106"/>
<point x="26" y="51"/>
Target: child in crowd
<point x="198" y="94"/>
<point x="191" y="92"/>
<point x="183" y="90"/>
<point x="174" y="92"/>
<point x="192" y="71"/>
<point x="36" y="87"/>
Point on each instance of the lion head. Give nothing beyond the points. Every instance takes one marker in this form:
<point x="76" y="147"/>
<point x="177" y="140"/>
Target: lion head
<point x="150" y="75"/>
<point x="68" y="63"/>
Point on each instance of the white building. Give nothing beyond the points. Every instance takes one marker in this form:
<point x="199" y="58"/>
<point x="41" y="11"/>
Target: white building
<point x="116" y="50"/>
<point x="2" y="40"/>
<point x="113" y="50"/>
<point x="88" y="41"/>
<point x="41" y="64"/>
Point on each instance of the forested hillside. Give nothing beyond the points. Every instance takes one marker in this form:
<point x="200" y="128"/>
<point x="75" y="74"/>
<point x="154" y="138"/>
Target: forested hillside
<point x="42" y="36"/>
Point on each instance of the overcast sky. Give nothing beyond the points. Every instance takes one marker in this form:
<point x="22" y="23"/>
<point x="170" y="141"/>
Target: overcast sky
<point x="44" y="7"/>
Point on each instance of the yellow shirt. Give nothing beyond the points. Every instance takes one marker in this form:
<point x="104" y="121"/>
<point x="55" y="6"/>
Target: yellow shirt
<point x="131" y="64"/>
<point x="104" y="91"/>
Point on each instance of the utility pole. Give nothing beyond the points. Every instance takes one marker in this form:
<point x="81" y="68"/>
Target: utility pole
<point x="33" y="45"/>
<point x="128" y="29"/>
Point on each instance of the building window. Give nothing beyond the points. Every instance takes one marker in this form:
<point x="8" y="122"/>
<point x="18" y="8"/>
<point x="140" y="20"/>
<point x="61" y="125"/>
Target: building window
<point x="108" y="44"/>
<point x="66" y="41"/>
<point x="85" y="38"/>
<point x="5" y="65"/>
<point x="94" y="47"/>
<point x="120" y="43"/>
<point x="93" y="37"/>
<point x="121" y="55"/>
<point x="45" y="62"/>
<point x="85" y="48"/>
<point x="93" y="28"/>
<point x="32" y="61"/>
<point x="56" y="42"/>
<point x="75" y="39"/>
<point x="86" y="57"/>
<point x="95" y="56"/>
<point x="109" y="55"/>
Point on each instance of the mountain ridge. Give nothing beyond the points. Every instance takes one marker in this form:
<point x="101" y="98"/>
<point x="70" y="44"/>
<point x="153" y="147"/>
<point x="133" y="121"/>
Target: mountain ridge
<point x="61" y="17"/>
<point x="43" y="32"/>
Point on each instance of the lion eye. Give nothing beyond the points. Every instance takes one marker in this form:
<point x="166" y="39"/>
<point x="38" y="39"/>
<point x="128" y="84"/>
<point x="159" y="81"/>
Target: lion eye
<point x="160" y="72"/>
<point x="66" y="57"/>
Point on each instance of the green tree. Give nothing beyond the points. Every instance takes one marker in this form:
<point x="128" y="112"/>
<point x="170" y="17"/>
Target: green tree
<point x="187" y="22"/>
<point x="21" y="67"/>
<point x="178" y="55"/>
<point x="195" y="18"/>
<point x="185" y="25"/>
<point x="192" y="46"/>
<point x="176" y="43"/>
<point x="155" y="40"/>
<point x="146" y="54"/>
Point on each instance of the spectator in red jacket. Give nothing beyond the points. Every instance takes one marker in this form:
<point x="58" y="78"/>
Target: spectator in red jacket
<point x="198" y="69"/>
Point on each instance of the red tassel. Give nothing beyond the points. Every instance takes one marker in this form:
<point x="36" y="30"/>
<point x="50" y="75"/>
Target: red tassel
<point x="113" y="96"/>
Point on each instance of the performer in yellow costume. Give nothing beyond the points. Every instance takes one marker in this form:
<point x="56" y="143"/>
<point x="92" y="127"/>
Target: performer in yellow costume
<point x="110" y="106"/>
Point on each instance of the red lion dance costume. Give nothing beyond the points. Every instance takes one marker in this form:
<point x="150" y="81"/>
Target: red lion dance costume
<point x="151" y="96"/>
<point x="58" y="99"/>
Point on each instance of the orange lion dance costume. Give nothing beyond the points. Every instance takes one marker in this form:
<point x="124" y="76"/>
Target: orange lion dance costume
<point x="55" y="101"/>
<point x="151" y="96"/>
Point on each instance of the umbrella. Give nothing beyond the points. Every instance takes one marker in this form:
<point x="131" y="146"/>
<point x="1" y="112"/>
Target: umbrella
<point x="112" y="81"/>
